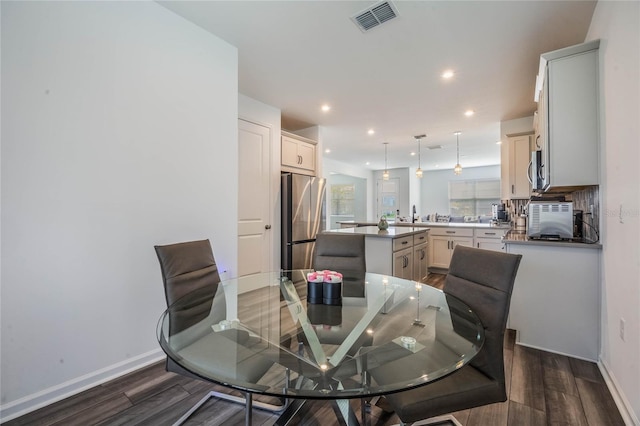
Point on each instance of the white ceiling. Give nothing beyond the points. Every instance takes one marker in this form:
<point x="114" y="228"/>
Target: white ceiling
<point x="297" y="55"/>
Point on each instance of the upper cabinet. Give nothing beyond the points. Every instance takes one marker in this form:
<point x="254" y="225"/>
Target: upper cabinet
<point x="568" y="132"/>
<point x="298" y="154"/>
<point x="515" y="158"/>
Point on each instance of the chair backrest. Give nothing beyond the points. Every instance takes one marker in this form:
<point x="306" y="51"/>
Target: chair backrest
<point x="343" y="253"/>
<point x="483" y="279"/>
<point x="187" y="267"/>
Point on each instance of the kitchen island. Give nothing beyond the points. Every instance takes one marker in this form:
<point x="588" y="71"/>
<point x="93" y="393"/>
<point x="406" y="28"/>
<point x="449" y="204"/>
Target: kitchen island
<point x="398" y="251"/>
<point x="445" y="236"/>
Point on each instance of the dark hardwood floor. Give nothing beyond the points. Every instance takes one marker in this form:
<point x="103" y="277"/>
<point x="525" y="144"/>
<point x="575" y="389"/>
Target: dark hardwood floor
<point x="543" y="388"/>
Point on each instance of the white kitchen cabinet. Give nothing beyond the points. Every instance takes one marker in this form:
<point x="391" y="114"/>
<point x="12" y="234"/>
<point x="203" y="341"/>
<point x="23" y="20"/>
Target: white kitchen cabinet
<point x="489" y="239"/>
<point x="515" y="156"/>
<point x="568" y="116"/>
<point x="420" y="264"/>
<point x="442" y="241"/>
<point x="556" y="299"/>
<point x="403" y="264"/>
<point x="402" y="256"/>
<point x="298" y="154"/>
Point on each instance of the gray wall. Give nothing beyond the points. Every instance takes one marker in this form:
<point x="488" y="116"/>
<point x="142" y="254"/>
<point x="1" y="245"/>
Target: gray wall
<point x="617" y="25"/>
<point x="435" y="186"/>
<point x="119" y="132"/>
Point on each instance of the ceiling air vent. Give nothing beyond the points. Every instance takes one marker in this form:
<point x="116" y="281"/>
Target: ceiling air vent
<point x="375" y="15"/>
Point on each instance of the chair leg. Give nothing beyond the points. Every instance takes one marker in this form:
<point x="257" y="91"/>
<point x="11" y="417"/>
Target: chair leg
<point x="248" y="402"/>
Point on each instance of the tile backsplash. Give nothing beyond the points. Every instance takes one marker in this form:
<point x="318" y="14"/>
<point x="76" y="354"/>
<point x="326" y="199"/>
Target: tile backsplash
<point x="582" y="199"/>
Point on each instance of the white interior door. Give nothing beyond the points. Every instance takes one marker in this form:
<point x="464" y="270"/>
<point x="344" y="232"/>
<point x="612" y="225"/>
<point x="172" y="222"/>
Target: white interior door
<point x="254" y="183"/>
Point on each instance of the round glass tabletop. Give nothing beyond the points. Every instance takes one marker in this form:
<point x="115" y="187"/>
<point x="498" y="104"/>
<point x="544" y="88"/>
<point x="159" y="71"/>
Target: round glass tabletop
<point x="260" y="334"/>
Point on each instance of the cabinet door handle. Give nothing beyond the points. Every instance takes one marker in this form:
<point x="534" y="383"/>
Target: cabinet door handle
<point x="450" y="232"/>
<point x="489" y="233"/>
<point x="478" y="245"/>
<point x="405" y="242"/>
<point x="529" y="178"/>
<point x="422" y="254"/>
<point x="513" y="189"/>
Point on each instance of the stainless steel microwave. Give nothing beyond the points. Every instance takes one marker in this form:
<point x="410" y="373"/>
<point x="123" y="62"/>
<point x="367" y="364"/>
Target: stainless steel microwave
<point x="535" y="171"/>
<point x="550" y="220"/>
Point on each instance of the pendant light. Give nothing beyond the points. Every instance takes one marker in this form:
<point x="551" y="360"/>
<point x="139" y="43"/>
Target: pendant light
<point x="385" y="174"/>
<point x="458" y="168"/>
<point x="419" y="170"/>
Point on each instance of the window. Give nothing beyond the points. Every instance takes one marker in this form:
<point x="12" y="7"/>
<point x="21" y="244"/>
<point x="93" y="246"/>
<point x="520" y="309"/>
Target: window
<point x="473" y="197"/>
<point x="343" y="199"/>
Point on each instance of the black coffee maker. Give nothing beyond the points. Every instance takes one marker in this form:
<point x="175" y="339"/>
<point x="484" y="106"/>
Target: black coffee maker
<point x="578" y="224"/>
<point x="499" y="213"/>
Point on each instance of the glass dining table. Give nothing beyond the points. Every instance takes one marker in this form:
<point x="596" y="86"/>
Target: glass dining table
<point x="259" y="335"/>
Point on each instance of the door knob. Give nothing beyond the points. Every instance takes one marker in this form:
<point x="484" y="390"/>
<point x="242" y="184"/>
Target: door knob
<point x="267" y="227"/>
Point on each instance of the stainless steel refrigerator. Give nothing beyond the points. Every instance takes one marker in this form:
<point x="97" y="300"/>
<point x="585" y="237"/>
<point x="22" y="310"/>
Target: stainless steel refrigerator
<point x="303" y="216"/>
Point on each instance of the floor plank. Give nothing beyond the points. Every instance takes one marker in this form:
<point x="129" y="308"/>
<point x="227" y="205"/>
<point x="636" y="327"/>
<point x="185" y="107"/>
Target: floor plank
<point x="557" y="374"/>
<point x="586" y="370"/>
<point x="598" y="404"/>
<point x="564" y="409"/>
<point x="527" y="386"/>
<point x="522" y="415"/>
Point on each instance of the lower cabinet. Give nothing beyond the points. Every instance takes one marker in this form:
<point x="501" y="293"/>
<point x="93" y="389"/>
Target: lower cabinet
<point x="443" y="241"/>
<point x="420" y="264"/>
<point x="489" y="239"/>
<point x="403" y="257"/>
<point x="403" y="264"/>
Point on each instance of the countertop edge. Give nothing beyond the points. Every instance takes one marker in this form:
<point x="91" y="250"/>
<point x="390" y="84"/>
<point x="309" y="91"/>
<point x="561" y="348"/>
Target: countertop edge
<point x="367" y="231"/>
<point x="522" y="240"/>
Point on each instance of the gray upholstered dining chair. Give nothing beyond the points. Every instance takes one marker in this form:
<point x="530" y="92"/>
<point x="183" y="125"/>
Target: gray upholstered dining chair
<point x="187" y="267"/>
<point x="344" y="253"/>
<point x="483" y="280"/>
<point x="339" y="252"/>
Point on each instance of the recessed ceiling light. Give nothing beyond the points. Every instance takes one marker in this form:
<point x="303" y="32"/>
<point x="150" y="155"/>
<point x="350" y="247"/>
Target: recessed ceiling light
<point x="413" y="154"/>
<point x="325" y="108"/>
<point x="437" y="165"/>
<point x="367" y="163"/>
<point x="469" y="112"/>
<point x="447" y="74"/>
<point x="457" y="133"/>
<point x="371" y="131"/>
<point x="327" y="150"/>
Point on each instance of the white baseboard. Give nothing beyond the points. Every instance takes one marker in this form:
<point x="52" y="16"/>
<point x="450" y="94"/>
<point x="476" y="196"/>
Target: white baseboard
<point x="64" y="390"/>
<point x="556" y="352"/>
<point x="623" y="404"/>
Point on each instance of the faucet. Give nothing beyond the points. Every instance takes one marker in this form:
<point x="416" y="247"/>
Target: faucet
<point x="413" y="215"/>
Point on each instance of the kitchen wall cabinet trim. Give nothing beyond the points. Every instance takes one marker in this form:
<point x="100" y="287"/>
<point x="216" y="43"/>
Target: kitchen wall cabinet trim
<point x="298" y="154"/>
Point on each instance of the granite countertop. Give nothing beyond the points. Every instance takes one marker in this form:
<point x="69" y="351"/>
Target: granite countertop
<point x="520" y="237"/>
<point x="373" y="231"/>
<point x="434" y="224"/>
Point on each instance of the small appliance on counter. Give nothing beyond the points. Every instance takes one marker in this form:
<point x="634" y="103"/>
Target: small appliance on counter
<point x="499" y="213"/>
<point x="550" y="220"/>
